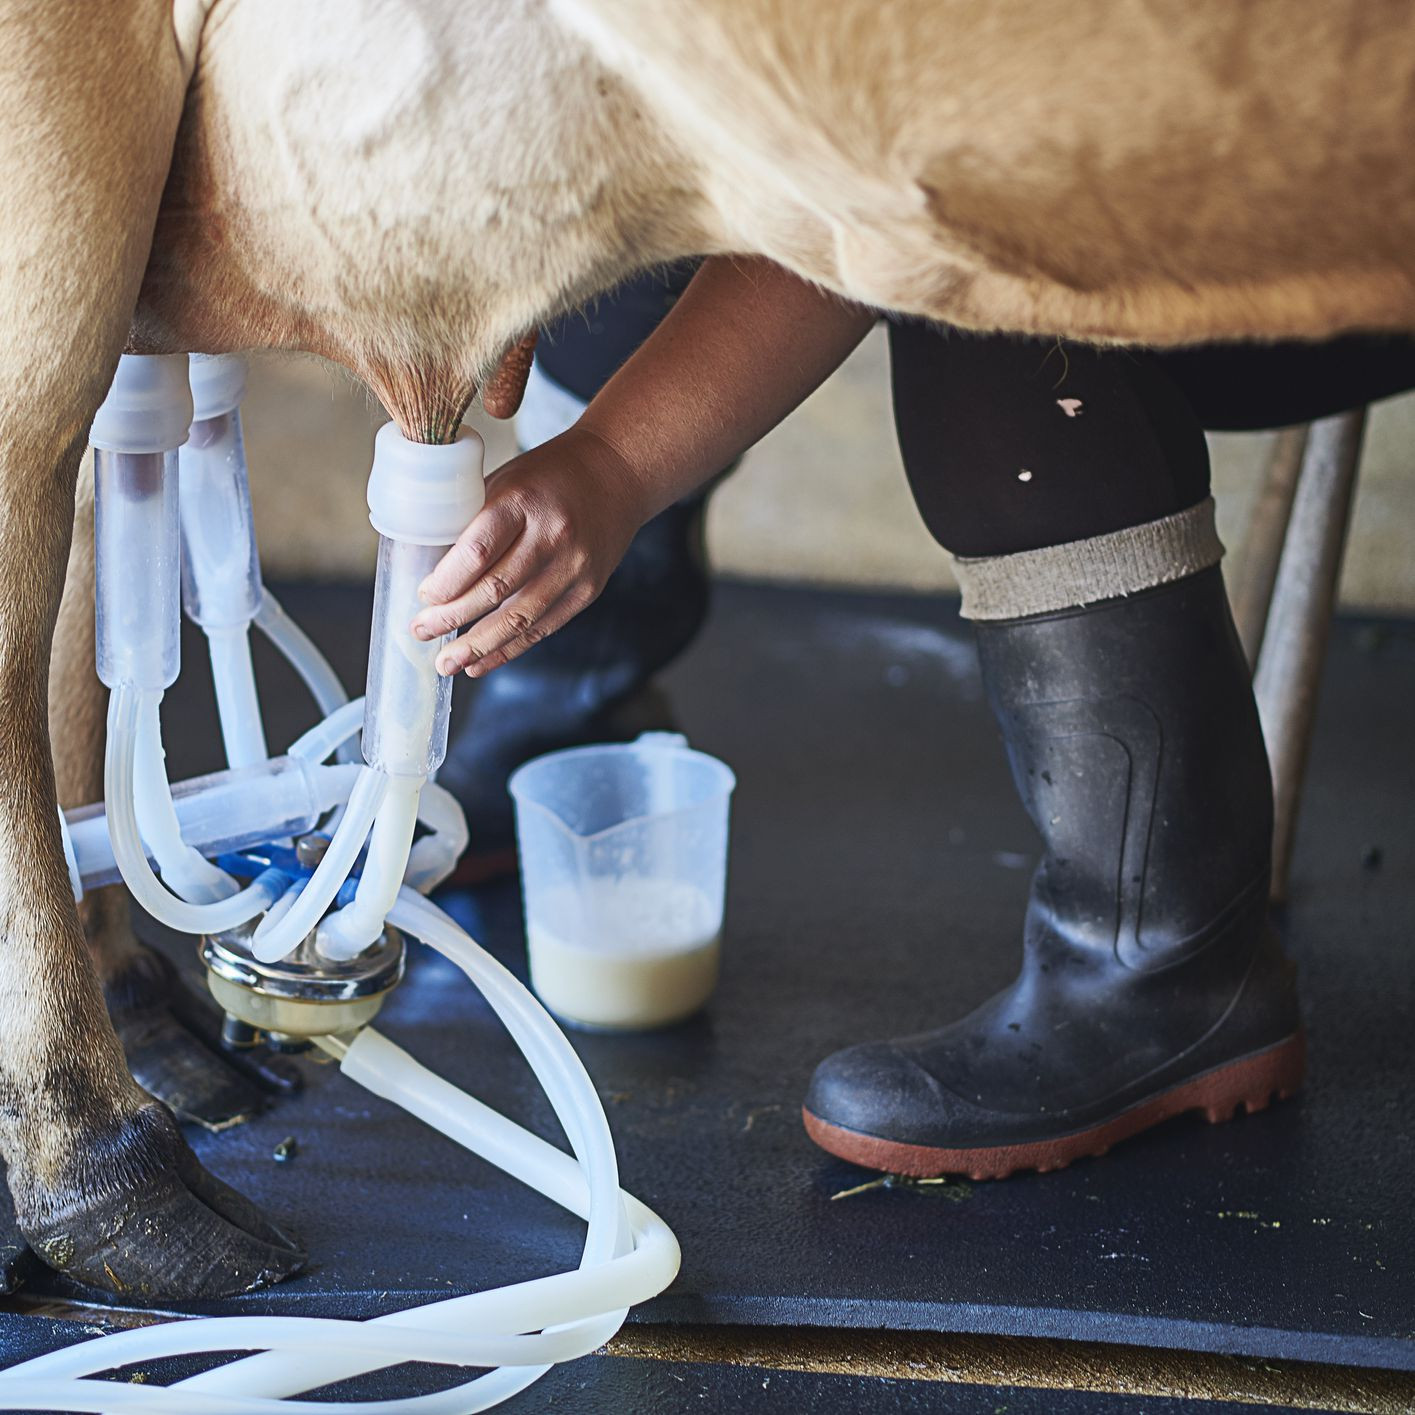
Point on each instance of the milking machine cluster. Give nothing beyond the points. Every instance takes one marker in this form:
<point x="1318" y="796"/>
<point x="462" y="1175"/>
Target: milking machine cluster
<point x="301" y="874"/>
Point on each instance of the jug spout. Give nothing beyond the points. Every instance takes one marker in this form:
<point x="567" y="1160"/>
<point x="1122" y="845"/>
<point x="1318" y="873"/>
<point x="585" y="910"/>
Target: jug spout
<point x="675" y="740"/>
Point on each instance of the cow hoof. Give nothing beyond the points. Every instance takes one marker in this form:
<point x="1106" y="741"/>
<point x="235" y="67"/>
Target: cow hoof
<point x="141" y="1219"/>
<point x="172" y="1039"/>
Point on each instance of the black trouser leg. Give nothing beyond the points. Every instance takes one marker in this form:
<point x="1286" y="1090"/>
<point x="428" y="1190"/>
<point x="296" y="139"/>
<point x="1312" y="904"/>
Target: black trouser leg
<point x="1012" y="445"/>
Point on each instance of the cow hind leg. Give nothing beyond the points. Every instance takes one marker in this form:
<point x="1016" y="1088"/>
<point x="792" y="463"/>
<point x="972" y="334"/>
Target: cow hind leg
<point x="171" y="1034"/>
<point x="104" y="1186"/>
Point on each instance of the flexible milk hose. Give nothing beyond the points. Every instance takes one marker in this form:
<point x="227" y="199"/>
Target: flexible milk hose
<point x="552" y="1058"/>
<point x="274" y="938"/>
<point x="330" y="733"/>
<point x="303" y="655"/>
<point x="125" y="706"/>
<point x="630" y="1254"/>
<point x="435" y="856"/>
<point x="345" y="933"/>
<point x="185" y="870"/>
<point x="237" y="703"/>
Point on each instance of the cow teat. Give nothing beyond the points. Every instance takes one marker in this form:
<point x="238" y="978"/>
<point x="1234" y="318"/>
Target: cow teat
<point x="502" y="393"/>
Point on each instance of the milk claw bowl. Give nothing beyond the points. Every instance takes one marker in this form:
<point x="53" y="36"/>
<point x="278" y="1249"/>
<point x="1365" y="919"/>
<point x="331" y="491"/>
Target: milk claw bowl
<point x="623" y="852"/>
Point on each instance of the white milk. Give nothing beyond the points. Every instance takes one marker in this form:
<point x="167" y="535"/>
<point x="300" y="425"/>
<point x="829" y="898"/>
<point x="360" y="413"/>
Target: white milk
<point x="625" y="953"/>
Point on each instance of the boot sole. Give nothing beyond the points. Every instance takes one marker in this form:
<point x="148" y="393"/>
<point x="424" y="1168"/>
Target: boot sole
<point x="1250" y="1083"/>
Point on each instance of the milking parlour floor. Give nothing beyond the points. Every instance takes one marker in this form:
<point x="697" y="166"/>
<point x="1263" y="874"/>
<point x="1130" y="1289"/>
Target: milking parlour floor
<point x="610" y="1383"/>
<point x="879" y="869"/>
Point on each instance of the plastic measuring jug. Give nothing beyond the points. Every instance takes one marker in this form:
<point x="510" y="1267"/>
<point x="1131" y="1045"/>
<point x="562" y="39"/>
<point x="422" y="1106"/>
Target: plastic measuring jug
<point x="623" y="875"/>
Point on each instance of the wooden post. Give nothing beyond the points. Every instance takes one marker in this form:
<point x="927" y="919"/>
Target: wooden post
<point x="1251" y="589"/>
<point x="1299" y="621"/>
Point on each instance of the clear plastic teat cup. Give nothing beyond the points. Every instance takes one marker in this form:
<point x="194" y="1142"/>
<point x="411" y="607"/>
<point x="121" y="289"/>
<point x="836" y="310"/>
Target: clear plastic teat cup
<point x="624" y="874"/>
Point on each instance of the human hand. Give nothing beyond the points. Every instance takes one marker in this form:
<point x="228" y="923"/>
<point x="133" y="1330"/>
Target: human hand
<point x="557" y="521"/>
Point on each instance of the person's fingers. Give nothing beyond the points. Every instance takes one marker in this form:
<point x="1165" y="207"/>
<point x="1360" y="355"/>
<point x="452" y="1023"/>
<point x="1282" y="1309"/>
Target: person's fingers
<point x="525" y="619"/>
<point x="489" y="535"/>
<point x="571" y="603"/>
<point x="492" y="588"/>
<point x="502" y="393"/>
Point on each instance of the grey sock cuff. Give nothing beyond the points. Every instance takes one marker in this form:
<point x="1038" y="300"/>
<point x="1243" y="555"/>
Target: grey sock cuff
<point x="1084" y="571"/>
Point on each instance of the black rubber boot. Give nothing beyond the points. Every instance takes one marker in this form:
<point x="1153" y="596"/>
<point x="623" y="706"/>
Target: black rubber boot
<point x="1152" y="982"/>
<point x="592" y="681"/>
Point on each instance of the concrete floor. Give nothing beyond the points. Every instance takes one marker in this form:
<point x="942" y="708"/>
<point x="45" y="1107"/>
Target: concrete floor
<point x="821" y="500"/>
<point x="955" y="1371"/>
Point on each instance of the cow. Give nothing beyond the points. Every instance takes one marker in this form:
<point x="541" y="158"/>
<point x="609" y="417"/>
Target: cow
<point x="407" y="187"/>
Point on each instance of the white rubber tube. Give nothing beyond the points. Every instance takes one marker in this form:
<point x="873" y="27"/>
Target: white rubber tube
<point x="303" y="655"/>
<point x="567" y="1085"/>
<point x="434" y="856"/>
<point x="345" y="933"/>
<point x="274" y="938"/>
<point x="125" y="706"/>
<point x="186" y="871"/>
<point x="546" y="1319"/>
<point x="237" y="704"/>
<point x="330" y="733"/>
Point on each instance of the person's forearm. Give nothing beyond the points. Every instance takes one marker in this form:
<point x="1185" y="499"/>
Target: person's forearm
<point x="744" y="345"/>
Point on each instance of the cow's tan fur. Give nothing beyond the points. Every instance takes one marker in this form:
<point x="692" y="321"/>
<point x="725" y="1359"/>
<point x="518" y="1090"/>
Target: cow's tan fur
<point x="406" y="186"/>
<point x="1154" y="171"/>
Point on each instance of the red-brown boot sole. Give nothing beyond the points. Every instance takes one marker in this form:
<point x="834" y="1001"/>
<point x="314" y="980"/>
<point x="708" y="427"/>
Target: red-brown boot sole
<point x="1250" y="1083"/>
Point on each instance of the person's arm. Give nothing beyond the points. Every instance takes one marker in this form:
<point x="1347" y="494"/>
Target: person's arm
<point x="745" y="344"/>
